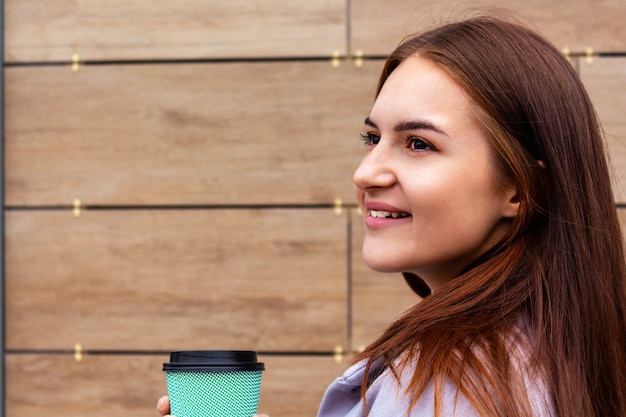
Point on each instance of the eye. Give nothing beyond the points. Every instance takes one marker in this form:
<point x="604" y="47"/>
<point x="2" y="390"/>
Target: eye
<point x="419" y="144"/>
<point x="370" y="139"/>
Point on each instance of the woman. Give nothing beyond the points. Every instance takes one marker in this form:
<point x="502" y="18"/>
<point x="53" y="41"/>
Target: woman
<point x="485" y="182"/>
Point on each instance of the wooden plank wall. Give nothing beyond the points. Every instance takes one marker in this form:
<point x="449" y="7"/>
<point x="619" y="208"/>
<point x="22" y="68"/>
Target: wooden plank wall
<point x="178" y="176"/>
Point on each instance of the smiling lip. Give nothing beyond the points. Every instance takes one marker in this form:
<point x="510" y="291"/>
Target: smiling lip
<point x="379" y="222"/>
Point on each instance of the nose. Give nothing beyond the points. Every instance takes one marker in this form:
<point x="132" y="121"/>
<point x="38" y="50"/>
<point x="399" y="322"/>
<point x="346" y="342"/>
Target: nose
<point x="375" y="170"/>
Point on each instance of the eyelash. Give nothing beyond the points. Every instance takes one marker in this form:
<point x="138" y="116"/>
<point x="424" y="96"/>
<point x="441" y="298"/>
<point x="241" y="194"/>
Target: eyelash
<point x="368" y="138"/>
<point x="371" y="139"/>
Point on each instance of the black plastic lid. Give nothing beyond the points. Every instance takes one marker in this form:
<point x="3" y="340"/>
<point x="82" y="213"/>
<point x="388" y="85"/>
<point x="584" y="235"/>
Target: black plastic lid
<point x="213" y="360"/>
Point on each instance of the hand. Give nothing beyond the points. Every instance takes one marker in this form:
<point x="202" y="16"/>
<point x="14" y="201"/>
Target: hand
<point x="163" y="407"/>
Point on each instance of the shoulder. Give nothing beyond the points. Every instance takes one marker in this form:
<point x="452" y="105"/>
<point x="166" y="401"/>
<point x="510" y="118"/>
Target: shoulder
<point x="393" y="398"/>
<point x="529" y="375"/>
<point x="387" y="396"/>
<point x="528" y="381"/>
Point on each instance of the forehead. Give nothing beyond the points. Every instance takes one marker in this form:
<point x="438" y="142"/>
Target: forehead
<point x="420" y="88"/>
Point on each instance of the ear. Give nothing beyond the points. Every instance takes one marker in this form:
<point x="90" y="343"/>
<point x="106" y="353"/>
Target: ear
<point x="511" y="201"/>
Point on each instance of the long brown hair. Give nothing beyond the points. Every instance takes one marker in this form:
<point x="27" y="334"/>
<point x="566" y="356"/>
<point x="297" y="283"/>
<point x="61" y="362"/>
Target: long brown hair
<point x="560" y="271"/>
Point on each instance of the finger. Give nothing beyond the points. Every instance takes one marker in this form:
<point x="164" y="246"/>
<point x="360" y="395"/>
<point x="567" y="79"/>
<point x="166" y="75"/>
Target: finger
<point x="163" y="405"/>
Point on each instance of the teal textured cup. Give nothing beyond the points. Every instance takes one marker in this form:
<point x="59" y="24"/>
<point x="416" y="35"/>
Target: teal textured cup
<point x="213" y="383"/>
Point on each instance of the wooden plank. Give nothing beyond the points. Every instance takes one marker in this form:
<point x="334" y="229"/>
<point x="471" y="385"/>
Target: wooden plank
<point x="56" y="385"/>
<point x="230" y="133"/>
<point x="184" y="29"/>
<point x="377" y="298"/>
<point x="377" y="27"/>
<point x="270" y="280"/>
<point x="294" y="386"/>
<point x="129" y="385"/>
<point x="605" y="79"/>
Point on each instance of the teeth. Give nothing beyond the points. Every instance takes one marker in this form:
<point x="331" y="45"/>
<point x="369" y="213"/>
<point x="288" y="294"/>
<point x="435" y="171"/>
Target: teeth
<point x="374" y="213"/>
<point x="380" y="213"/>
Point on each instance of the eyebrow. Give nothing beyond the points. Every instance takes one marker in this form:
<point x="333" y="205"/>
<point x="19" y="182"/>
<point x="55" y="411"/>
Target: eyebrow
<point x="409" y="125"/>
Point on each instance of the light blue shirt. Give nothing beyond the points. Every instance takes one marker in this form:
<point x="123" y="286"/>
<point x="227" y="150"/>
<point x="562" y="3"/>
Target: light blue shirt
<point x="386" y="397"/>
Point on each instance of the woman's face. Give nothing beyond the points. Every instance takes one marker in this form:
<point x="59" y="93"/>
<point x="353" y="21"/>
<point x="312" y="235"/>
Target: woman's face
<point x="427" y="186"/>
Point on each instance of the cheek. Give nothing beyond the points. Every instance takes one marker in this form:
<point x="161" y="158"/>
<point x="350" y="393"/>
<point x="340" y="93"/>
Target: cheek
<point x="464" y="196"/>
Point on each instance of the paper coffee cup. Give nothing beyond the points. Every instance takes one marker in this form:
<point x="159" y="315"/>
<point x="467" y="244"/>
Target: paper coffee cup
<point x="213" y="383"/>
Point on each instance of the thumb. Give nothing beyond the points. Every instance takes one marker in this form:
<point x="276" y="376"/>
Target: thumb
<point x="163" y="405"/>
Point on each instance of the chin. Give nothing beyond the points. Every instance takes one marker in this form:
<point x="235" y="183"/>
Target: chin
<point x="381" y="266"/>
